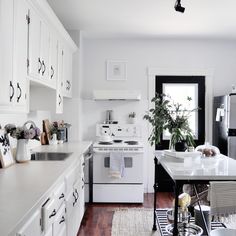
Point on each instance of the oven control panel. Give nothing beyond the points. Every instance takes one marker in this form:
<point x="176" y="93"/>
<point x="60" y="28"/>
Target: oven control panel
<point x="117" y="130"/>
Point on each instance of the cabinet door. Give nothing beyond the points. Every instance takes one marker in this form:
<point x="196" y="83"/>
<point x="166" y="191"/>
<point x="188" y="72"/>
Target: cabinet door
<point x="44" y="51"/>
<point x="32" y="226"/>
<point x="7" y="93"/>
<point x="35" y="62"/>
<point x="59" y="98"/>
<point x="70" y="213"/>
<point x="21" y="12"/>
<point x="67" y="73"/>
<point x="53" y="59"/>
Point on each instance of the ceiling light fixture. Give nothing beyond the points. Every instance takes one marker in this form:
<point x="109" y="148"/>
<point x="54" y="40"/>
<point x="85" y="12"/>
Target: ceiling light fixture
<point x="178" y="6"/>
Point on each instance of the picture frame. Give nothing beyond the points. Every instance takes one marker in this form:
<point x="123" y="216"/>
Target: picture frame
<point x="116" y="70"/>
<point x="6" y="158"/>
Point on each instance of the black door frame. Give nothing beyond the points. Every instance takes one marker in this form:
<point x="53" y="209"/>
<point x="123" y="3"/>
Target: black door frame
<point x="200" y="80"/>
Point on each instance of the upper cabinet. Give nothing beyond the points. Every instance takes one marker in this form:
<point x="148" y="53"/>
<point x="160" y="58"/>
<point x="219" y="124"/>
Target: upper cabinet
<point x="29" y="48"/>
<point x="39" y="49"/>
<point x="13" y="60"/>
<point x="67" y="72"/>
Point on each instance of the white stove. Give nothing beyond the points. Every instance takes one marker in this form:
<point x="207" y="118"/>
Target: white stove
<point x="126" y="140"/>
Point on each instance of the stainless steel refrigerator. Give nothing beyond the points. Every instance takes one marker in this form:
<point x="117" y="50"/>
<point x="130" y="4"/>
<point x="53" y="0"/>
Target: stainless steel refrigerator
<point x="224" y="124"/>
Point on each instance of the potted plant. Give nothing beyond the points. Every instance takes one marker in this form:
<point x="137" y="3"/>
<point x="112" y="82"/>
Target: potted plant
<point x="171" y="116"/>
<point x="132" y="117"/>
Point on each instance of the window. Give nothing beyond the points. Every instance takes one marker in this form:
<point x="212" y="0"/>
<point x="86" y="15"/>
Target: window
<point x="179" y="88"/>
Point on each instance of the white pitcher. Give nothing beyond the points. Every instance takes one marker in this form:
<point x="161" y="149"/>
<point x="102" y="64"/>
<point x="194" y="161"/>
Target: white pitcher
<point x="22" y="151"/>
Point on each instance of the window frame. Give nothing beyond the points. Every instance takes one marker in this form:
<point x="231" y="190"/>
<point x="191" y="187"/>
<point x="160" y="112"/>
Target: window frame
<point x="200" y="80"/>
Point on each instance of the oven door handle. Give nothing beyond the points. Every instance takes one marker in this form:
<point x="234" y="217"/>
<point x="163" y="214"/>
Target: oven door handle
<point x="125" y="152"/>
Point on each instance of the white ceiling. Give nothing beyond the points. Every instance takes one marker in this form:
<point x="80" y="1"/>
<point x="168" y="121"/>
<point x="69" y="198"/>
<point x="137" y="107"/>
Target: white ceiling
<point x="149" y="18"/>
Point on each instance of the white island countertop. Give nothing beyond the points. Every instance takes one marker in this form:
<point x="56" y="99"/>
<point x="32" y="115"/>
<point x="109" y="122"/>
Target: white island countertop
<point x="200" y="168"/>
<point x="24" y="186"/>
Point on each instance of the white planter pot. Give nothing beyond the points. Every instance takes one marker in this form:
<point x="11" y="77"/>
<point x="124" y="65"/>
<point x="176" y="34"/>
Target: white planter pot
<point x="22" y="151"/>
<point x="132" y="120"/>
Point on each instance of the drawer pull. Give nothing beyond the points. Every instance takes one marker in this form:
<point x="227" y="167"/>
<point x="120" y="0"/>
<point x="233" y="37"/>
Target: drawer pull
<point x="62" y="220"/>
<point x="75" y="199"/>
<point x="62" y="196"/>
<point x="83" y="164"/>
<point x="53" y="213"/>
<point x="77" y="194"/>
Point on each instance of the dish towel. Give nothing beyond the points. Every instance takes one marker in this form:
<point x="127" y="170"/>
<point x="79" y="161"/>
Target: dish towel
<point x="223" y="200"/>
<point x="117" y="165"/>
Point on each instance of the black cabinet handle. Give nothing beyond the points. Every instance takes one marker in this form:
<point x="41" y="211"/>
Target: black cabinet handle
<point x="77" y="194"/>
<point x="13" y="91"/>
<point x="53" y="213"/>
<point x="74" y="198"/>
<point x="83" y="164"/>
<point x="18" y="87"/>
<point x="59" y="100"/>
<point x="62" y="220"/>
<point x="52" y="70"/>
<point x="62" y="196"/>
<point x="69" y="85"/>
<point x="44" y="67"/>
<point x="40" y="65"/>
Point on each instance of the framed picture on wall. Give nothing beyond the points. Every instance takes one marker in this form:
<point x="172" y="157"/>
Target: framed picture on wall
<point x="116" y="70"/>
<point x="6" y="158"/>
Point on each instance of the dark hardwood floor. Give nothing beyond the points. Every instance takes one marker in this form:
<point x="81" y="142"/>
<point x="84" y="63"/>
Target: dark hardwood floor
<point x="97" y="219"/>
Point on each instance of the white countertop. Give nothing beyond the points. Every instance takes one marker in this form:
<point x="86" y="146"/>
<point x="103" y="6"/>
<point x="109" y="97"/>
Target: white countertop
<point x="200" y="168"/>
<point x="24" y="186"/>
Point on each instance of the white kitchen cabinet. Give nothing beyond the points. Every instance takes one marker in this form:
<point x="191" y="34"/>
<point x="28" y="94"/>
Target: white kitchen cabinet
<point x="6" y="51"/>
<point x="35" y="62"/>
<point x="32" y="227"/>
<point x="59" y="95"/>
<point x="13" y="60"/>
<point x="53" y="59"/>
<point x="75" y="198"/>
<point x="39" y="49"/>
<point x="44" y="51"/>
<point x="67" y="72"/>
<point x="20" y="55"/>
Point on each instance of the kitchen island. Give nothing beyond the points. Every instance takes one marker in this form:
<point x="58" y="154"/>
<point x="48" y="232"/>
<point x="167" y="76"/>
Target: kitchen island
<point x="24" y="187"/>
<point x="194" y="170"/>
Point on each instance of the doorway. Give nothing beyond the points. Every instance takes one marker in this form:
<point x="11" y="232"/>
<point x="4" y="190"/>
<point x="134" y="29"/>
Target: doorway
<point x="179" y="88"/>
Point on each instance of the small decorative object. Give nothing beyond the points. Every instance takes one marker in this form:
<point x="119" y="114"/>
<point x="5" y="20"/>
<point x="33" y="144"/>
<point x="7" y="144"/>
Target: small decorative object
<point x="208" y="150"/>
<point x="23" y="134"/>
<point x="132" y="117"/>
<point x="6" y="158"/>
<point x="171" y="116"/>
<point x="116" y="70"/>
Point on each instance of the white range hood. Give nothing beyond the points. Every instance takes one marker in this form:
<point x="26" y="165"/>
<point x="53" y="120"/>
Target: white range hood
<point x="117" y="95"/>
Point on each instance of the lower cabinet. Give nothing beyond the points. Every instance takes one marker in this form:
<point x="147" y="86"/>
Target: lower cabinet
<point x="32" y="227"/>
<point x="62" y="212"/>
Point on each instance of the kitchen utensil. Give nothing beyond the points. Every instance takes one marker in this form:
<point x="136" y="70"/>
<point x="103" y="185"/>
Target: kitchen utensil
<point x="182" y="216"/>
<point x="185" y="229"/>
<point x="109" y="116"/>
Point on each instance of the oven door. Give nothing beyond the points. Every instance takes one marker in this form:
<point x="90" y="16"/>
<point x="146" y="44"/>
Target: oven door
<point x="133" y="172"/>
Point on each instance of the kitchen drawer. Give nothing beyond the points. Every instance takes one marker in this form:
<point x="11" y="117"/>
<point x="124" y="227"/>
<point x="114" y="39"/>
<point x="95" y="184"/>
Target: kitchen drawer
<point x="59" y="194"/>
<point x="60" y="221"/>
<point x="49" y="212"/>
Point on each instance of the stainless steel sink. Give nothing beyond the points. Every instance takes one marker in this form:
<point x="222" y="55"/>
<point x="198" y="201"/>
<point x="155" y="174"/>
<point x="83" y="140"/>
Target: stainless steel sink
<point x="50" y="156"/>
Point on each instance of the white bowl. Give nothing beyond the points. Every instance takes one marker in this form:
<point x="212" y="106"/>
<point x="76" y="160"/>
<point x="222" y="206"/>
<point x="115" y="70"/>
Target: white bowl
<point x="223" y="232"/>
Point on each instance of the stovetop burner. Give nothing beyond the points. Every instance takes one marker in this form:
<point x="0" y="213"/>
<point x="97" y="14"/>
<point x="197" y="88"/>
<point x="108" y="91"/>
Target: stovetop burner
<point x="105" y="143"/>
<point x="131" y="142"/>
